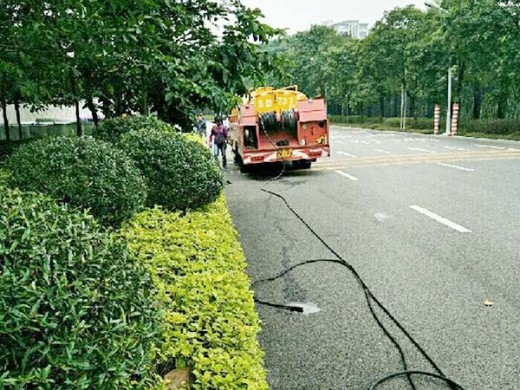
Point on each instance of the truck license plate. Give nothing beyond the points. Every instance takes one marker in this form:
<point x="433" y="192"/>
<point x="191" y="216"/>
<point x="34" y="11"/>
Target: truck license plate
<point x="284" y="153"/>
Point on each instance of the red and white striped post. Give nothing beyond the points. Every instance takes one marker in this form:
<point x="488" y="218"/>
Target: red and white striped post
<point x="455" y="119"/>
<point x="436" y="119"/>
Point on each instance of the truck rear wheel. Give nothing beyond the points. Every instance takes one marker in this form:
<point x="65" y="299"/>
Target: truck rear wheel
<point x="245" y="168"/>
<point x="240" y="163"/>
<point x="302" y="164"/>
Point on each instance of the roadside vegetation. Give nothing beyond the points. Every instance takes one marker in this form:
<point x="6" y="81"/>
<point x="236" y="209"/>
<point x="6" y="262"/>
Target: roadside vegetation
<point x="484" y="128"/>
<point x="403" y="65"/>
<point x="198" y="267"/>
<point x="169" y="57"/>
<point x="118" y="259"/>
<point x="76" y="310"/>
<point x="83" y="172"/>
<point x="99" y="291"/>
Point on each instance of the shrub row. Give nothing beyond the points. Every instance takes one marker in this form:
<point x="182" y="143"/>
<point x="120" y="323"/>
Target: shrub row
<point x="149" y="166"/>
<point x="419" y="123"/>
<point x="76" y="310"/>
<point x="492" y="126"/>
<point x="198" y="266"/>
<point x="505" y="127"/>
<point x="391" y="123"/>
<point x="351" y="119"/>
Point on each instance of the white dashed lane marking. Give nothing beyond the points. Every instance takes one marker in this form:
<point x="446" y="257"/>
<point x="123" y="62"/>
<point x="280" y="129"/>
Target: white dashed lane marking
<point x="456" y="167"/>
<point x="421" y="150"/>
<point x="347" y="154"/>
<point x="440" y="219"/>
<point x="350" y="177"/>
<point x="490" y="146"/>
<point x="454" y="148"/>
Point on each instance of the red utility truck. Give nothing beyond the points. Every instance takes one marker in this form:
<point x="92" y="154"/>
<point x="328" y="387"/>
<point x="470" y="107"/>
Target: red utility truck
<point x="277" y="125"/>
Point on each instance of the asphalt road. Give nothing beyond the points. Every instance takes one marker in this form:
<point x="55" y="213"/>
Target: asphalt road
<point x="432" y="224"/>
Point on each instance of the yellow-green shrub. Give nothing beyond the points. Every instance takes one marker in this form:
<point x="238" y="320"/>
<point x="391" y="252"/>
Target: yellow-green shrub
<point x="196" y="138"/>
<point x="198" y="266"/>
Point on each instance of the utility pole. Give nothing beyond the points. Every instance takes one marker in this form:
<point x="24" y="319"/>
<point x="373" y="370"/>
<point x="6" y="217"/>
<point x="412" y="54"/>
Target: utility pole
<point x="448" y="116"/>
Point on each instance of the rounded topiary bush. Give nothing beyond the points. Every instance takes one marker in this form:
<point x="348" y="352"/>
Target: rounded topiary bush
<point x="111" y="130"/>
<point x="83" y="172"/>
<point x="180" y="173"/>
<point x="75" y="309"/>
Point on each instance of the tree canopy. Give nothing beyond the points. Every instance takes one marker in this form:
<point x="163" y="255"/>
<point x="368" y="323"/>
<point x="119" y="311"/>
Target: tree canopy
<point x="412" y="49"/>
<point x="170" y="56"/>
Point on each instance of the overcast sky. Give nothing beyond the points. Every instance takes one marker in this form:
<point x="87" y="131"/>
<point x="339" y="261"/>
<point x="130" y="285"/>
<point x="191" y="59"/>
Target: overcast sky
<point x="299" y="15"/>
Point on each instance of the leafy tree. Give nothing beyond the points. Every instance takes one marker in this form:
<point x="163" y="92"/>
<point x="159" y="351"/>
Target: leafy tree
<point x="412" y="49"/>
<point x="169" y="56"/>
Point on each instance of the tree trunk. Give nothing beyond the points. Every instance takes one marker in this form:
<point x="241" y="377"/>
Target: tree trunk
<point x="93" y="109"/>
<point x="119" y="106"/>
<point x="460" y="83"/>
<point x="501" y="109"/>
<point x="477" y="102"/>
<point x="382" y="107"/>
<point x="6" y="121"/>
<point x="402" y="121"/>
<point x="18" y="119"/>
<point x="413" y="110"/>
<point x="106" y="107"/>
<point x="79" y="129"/>
<point x="396" y="106"/>
<point x="145" y="107"/>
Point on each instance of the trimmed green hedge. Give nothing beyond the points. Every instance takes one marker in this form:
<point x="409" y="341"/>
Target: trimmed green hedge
<point x="492" y="126"/>
<point x="76" y="311"/>
<point x="390" y="123"/>
<point x="82" y="172"/>
<point x="419" y="123"/>
<point x="351" y="119"/>
<point x="180" y="173"/>
<point x="211" y="324"/>
<point x="111" y="130"/>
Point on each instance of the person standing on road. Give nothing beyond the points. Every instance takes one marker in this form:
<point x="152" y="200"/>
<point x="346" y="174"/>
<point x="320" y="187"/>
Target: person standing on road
<point x="218" y="136"/>
<point x="201" y="125"/>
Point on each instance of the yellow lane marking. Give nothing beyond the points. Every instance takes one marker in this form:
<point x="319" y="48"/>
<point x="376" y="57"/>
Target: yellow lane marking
<point x="419" y="159"/>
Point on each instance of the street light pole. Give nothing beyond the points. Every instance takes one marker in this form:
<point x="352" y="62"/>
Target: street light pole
<point x="450" y="76"/>
<point x="448" y="116"/>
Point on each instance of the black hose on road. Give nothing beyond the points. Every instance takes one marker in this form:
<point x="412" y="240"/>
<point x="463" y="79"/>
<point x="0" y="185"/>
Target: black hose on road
<point x="370" y="299"/>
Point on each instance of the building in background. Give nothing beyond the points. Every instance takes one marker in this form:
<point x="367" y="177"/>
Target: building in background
<point x="352" y="27"/>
